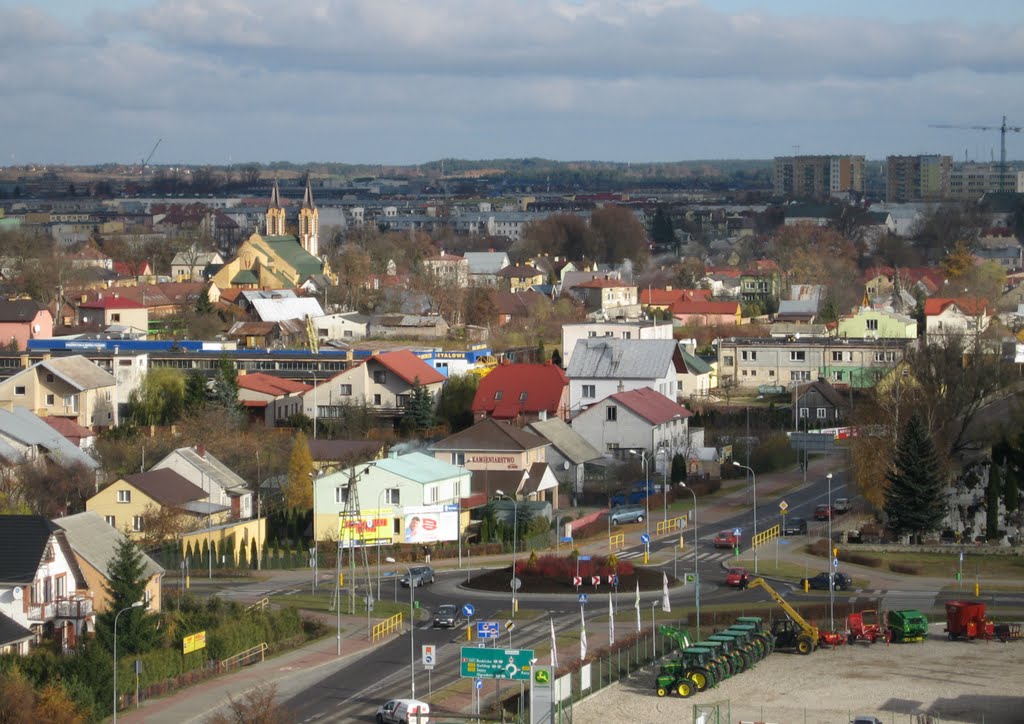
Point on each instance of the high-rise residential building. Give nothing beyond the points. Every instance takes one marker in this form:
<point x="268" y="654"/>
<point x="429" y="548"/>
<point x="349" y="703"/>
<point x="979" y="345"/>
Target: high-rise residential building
<point x="971" y="181"/>
<point x="818" y="177"/>
<point x="917" y="178"/>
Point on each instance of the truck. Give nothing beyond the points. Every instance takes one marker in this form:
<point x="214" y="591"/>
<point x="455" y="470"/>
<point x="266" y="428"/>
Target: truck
<point x="841" y="505"/>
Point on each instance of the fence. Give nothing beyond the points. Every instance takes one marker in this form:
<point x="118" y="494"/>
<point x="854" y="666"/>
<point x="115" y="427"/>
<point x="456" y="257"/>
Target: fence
<point x="765" y="536"/>
<point x="386" y="627"/>
<point x="672" y="524"/>
<point x="244" y="658"/>
<point x="615" y="542"/>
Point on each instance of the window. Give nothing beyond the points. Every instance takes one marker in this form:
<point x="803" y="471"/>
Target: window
<point x="115" y="317"/>
<point x="797" y="355"/>
<point x="49" y="400"/>
<point x="611" y="413"/>
<point x="48" y="553"/>
<point x="376" y="400"/>
<point x="431" y="494"/>
<point x="498" y="394"/>
<point x="62" y="585"/>
<point x="137" y="523"/>
<point x="727" y="360"/>
<point x="110" y="521"/>
<point x="804" y="412"/>
<point x="341" y="495"/>
<point x="771" y="373"/>
<point x="458" y="458"/>
<point x="589" y="391"/>
<point x="49" y="377"/>
<point x="380" y="377"/>
<point x="124" y="496"/>
<point x="821" y="413"/>
<point x="591" y="334"/>
<point x="750" y="355"/>
<point x="348" y="333"/>
<point x="753" y="373"/>
<point x="392" y="497"/>
<point x="19" y="391"/>
<point x="744" y="373"/>
<point x="345" y="390"/>
<point x="522" y="397"/>
<point x="873" y="325"/>
<point x="627" y="335"/>
<point x="402" y="400"/>
<point x="800" y="376"/>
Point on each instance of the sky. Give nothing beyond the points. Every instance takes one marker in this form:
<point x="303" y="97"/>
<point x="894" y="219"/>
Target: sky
<point x="411" y="81"/>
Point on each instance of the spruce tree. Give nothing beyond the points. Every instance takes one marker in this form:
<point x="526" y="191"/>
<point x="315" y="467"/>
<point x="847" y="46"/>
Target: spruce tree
<point x="915" y="498"/>
<point x="126" y="583"/>
<point x="419" y="410"/>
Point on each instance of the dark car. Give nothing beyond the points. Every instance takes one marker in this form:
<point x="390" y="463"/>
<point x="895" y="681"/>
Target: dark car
<point x="822" y="512"/>
<point x="421" y="575"/>
<point x="447" y="616"/>
<point x="820" y="582"/>
<point x="795" y="526"/>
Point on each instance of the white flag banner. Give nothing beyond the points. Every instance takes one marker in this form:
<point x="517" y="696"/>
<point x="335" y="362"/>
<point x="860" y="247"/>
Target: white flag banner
<point x="666" y="605"/>
<point x="611" y="622"/>
<point x="554" y="646"/>
<point x="636" y="604"/>
<point x="583" y="636"/>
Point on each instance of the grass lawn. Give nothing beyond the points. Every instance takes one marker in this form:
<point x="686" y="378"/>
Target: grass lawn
<point x="1002" y="568"/>
<point x="322" y="602"/>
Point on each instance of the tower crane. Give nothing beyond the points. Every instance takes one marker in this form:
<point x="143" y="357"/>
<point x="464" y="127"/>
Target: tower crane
<point x="145" y="162"/>
<point x="1002" y="141"/>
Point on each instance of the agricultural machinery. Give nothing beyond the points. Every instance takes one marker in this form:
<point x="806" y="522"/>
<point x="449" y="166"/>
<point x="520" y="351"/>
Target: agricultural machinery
<point x="864" y="626"/>
<point x="966" y="620"/>
<point x="789" y="633"/>
<point x="694" y="669"/>
<point x="906" y="626"/>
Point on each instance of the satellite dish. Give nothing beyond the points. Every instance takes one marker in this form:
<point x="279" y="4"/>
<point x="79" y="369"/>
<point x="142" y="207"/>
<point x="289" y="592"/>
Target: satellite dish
<point x="17" y="593"/>
<point x="36" y="328"/>
<point x="565" y="465"/>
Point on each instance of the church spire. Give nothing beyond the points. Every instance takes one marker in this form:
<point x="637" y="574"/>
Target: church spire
<point x="307" y="197"/>
<point x="275" y="213"/>
<point x="275" y="196"/>
<point x="309" y="222"/>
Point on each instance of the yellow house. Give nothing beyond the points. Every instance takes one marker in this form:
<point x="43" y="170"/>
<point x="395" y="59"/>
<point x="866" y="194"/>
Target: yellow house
<point x="69" y="387"/>
<point x="126" y="503"/>
<point x="521" y="277"/>
<point x="110" y="309"/>
<point x="94" y="545"/>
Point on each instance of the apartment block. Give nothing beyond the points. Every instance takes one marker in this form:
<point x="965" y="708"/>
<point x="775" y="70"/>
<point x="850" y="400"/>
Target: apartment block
<point x="972" y="181"/>
<point x="818" y="177"/>
<point x="917" y="178"/>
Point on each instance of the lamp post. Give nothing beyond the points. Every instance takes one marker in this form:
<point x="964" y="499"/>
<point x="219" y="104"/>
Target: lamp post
<point x="832" y="574"/>
<point x="137" y="604"/>
<point x="515" y="544"/>
<point x="664" y="485"/>
<point x="696" y="573"/>
<point x="753" y="476"/>
<point x="380" y="505"/>
<point x="647" y="489"/>
<point x="412" y="633"/>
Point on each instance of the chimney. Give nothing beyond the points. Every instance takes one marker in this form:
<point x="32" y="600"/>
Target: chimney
<point x="201" y="451"/>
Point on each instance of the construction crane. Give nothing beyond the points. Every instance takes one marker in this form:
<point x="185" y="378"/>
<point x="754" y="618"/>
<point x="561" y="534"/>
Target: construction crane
<point x="145" y="162"/>
<point x="1002" y="141"/>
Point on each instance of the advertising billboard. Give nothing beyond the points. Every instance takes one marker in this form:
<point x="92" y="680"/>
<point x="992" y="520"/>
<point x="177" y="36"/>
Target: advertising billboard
<point x="431" y="523"/>
<point x="369" y="527"/>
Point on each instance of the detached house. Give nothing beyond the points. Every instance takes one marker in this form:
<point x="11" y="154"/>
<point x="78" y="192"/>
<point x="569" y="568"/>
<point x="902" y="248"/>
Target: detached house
<point x="523" y="393"/>
<point x="223" y="487"/>
<point x="275" y="399"/>
<point x="71" y="387"/>
<point x="603" y="366"/>
<point x="634" y="420"/>
<point x="946" y="317"/>
<point x="125" y="503"/>
<point x="22" y="320"/>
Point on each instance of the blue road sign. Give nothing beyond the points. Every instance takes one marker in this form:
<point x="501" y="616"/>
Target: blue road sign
<point x="479" y="683"/>
<point x="583" y="598"/>
<point x="644" y="538"/>
<point x="835" y="563"/>
<point x="737" y="532"/>
<point x="567" y="539"/>
<point x="468" y="610"/>
<point x="615" y="579"/>
<point x="584" y="558"/>
<point x="782" y="542"/>
<point x="487" y="629"/>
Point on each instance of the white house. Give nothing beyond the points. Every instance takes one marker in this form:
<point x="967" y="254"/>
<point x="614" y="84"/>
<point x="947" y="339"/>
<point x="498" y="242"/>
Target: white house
<point x="945" y="317"/>
<point x="633" y="421"/>
<point x="633" y="329"/>
<point x="602" y="367"/>
<point x="217" y="480"/>
<point x="345" y="327"/>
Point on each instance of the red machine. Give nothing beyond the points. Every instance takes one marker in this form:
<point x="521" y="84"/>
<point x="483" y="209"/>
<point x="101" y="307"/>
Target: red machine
<point x="966" y="620"/>
<point x="863" y="626"/>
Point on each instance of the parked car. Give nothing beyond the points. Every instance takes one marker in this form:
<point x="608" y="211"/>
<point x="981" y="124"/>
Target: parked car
<point x="841" y="505"/>
<point x="627" y="514"/>
<point x="420" y="576"/>
<point x="737" y="577"/>
<point x="795" y="526"/>
<point x="447" y="616"/>
<point x="822" y="512"/>
<point x="820" y="582"/>
<point x="725" y="539"/>
<point x="404" y="711"/>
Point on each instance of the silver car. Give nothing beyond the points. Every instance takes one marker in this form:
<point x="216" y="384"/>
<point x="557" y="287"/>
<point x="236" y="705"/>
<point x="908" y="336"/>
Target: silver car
<point x="627" y="514"/>
<point x="418" y="576"/>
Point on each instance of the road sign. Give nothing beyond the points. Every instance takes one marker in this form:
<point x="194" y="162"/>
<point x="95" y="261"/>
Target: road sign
<point x="516" y="584"/>
<point x="506" y="664"/>
<point x="566" y="539"/>
<point x="783" y="506"/>
<point x="583" y="598"/>
<point x="509" y="625"/>
<point x="613" y="580"/>
<point x="577" y="581"/>
<point x="737" y="532"/>
<point x="961" y="556"/>
<point x="429" y="655"/>
<point x="479" y="683"/>
<point x="468" y="610"/>
<point x="595" y="580"/>
<point x="644" y="538"/>
<point x="487" y="629"/>
<point x="835" y="563"/>
<point x="584" y="558"/>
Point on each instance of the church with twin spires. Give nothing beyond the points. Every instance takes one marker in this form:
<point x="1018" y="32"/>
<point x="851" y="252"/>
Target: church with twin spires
<point x="276" y="259"/>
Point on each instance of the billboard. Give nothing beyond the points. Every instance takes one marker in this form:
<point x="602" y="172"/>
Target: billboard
<point x="431" y="523"/>
<point x="369" y="527"/>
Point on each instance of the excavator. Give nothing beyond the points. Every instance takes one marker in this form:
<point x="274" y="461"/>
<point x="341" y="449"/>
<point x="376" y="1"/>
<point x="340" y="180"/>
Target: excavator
<point x="792" y="632"/>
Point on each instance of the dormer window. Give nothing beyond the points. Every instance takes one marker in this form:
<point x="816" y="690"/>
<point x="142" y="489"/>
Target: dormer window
<point x="497" y="395"/>
<point x="522" y="396"/>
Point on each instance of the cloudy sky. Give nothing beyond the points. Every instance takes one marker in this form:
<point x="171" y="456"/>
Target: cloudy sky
<point x="407" y="81"/>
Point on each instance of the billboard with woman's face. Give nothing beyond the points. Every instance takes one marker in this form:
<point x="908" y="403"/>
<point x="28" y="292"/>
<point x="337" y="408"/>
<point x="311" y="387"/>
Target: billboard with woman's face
<point x="431" y="523"/>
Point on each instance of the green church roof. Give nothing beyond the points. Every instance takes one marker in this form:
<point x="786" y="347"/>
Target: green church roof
<point x="290" y="251"/>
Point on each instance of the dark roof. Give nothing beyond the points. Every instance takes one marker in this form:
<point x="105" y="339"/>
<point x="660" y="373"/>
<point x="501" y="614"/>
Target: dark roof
<point x="490" y="435"/>
<point x="19" y="310"/>
<point x="166" y="487"/>
<point x="23" y="541"/>
<point x="827" y="392"/>
<point x="12" y="632"/>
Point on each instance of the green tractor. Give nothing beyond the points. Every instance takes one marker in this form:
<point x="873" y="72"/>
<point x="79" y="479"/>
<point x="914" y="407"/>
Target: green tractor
<point x="733" y="647"/>
<point x="721" y="664"/>
<point x="679" y="637"/>
<point x="756" y="625"/>
<point x="691" y="671"/>
<point x="749" y="643"/>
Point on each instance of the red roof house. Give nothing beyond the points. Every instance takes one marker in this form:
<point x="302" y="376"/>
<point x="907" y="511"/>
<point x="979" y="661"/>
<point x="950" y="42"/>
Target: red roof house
<point x="707" y="313"/>
<point x="523" y="392"/>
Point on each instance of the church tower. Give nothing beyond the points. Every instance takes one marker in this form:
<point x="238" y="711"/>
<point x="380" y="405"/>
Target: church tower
<point x="309" y="223"/>
<point x="275" y="214"/>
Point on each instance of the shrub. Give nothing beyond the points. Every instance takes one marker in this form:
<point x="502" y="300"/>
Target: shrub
<point x="905" y="568"/>
<point x="860" y="559"/>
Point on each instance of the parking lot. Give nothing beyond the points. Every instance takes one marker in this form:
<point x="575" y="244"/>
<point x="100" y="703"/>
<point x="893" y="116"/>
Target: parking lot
<point x="955" y="681"/>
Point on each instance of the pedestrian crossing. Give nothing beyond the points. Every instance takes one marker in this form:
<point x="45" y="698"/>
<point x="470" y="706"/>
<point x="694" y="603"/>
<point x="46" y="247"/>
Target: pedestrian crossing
<point x="709" y="557"/>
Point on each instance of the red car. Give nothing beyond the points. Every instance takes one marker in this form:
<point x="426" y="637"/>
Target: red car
<point x="822" y="512"/>
<point x="725" y="539"/>
<point x="736" y="576"/>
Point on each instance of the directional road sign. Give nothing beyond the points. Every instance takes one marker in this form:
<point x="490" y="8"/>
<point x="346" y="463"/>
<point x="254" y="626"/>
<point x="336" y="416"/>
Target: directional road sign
<point x="644" y="538"/>
<point x="479" y="683"/>
<point x="835" y="563"/>
<point x="613" y="580"/>
<point x="487" y="629"/>
<point x="577" y="581"/>
<point x="468" y="610"/>
<point x="429" y="655"/>
<point x="511" y="664"/>
<point x="595" y="580"/>
<point x="584" y="558"/>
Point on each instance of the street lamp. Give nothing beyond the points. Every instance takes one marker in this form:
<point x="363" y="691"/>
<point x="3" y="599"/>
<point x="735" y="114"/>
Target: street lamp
<point x="412" y="633"/>
<point x="515" y="544"/>
<point x="647" y="489"/>
<point x="137" y="604"/>
<point x="832" y="574"/>
<point x="696" y="573"/>
<point x="380" y="506"/>
<point x="753" y="475"/>
<point x="664" y="485"/>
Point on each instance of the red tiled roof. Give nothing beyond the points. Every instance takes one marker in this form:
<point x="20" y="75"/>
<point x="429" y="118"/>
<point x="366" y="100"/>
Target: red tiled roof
<point x="650" y="405"/>
<point x="409" y="367"/>
<point x="667" y="296"/>
<point x="270" y="385"/>
<point x="68" y="428"/>
<point x="699" y="306"/>
<point x="543" y="385"/>
<point x="111" y="303"/>
<point x="971" y="307"/>
<point x="130" y="269"/>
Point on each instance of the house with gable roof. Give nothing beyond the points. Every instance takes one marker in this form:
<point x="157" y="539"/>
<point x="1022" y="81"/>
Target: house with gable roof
<point x="635" y="420"/>
<point x="71" y="387"/>
<point x="485" y="265"/>
<point x="522" y="393"/>
<point x="569" y="454"/>
<point x="126" y="503"/>
<point x="22" y="320"/>
<point x="113" y="309"/>
<point x="609" y="298"/>
<point x="603" y="366"/>
<point x="223" y="487"/>
<point x="705" y="313"/>
<point x="818" y="404"/>
<point x="945" y="317"/>
<point x="274" y="399"/>
<point x="25" y="437"/>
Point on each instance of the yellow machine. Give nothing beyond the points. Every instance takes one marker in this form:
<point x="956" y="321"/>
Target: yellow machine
<point x="792" y="632"/>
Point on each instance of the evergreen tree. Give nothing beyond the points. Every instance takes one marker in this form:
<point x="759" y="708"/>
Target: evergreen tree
<point x="661" y="228"/>
<point x="203" y="303"/>
<point x="915" y="498"/>
<point x="126" y="584"/>
<point x="419" y="410"/>
<point x="196" y="393"/>
<point x="224" y="391"/>
<point x="556" y="358"/>
<point x="542" y="355"/>
<point x="678" y="472"/>
<point x="298" y="492"/>
<point x="456" y="405"/>
<point x="992" y="493"/>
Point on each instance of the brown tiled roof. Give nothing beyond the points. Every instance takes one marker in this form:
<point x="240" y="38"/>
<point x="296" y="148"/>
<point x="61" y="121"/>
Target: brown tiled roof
<point x="489" y="435"/>
<point x="166" y="487"/>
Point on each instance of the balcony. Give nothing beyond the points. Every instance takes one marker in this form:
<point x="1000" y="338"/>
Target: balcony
<point x="76" y="607"/>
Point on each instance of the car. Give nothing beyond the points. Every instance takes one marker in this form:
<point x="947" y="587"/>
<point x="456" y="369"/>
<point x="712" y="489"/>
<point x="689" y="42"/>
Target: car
<point x="820" y="582"/>
<point x="822" y="512"/>
<point x="726" y="539"/>
<point x="841" y="505"/>
<point x="404" y="711"/>
<point x="418" y="576"/>
<point x="627" y="514"/>
<point x="737" y="577"/>
<point x="795" y="526"/>
<point x="447" y="616"/>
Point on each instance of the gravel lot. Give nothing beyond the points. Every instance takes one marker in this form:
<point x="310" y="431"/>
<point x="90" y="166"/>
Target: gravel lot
<point x="956" y="681"/>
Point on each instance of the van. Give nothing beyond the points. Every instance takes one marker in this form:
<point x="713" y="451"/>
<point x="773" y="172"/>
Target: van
<point x="627" y="514"/>
<point x="404" y="711"/>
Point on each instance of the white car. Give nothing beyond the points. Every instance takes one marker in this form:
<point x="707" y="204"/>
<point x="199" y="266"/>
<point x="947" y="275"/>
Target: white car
<point x="404" y="711"/>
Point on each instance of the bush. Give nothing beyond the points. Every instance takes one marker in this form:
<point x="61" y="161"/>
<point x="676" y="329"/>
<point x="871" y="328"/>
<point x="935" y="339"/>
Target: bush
<point x="905" y="568"/>
<point x="551" y="566"/>
<point x="860" y="559"/>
